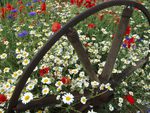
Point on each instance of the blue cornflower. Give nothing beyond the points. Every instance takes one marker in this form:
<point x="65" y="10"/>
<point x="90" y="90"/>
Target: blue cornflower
<point x="124" y="45"/>
<point x="28" y="4"/>
<point x="43" y="0"/>
<point x="32" y="13"/>
<point x="140" y="39"/>
<point x="35" y="1"/>
<point x="14" y="10"/>
<point x="23" y="34"/>
<point x="10" y="17"/>
<point x="127" y="38"/>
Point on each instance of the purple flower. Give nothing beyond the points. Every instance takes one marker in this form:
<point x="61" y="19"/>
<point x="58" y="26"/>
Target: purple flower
<point x="23" y="34"/>
<point x="140" y="39"/>
<point x="32" y="13"/>
<point x="43" y="0"/>
<point x="35" y="1"/>
<point x="127" y="38"/>
<point x="28" y="4"/>
<point x="10" y="17"/>
<point x="14" y="10"/>
<point x="124" y="45"/>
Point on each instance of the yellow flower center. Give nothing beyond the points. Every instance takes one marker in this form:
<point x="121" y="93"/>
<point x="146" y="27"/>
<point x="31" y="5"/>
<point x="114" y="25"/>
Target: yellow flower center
<point x="39" y="111"/>
<point x="68" y="98"/>
<point x="45" y="91"/>
<point x="59" y="83"/>
<point x="45" y="80"/>
<point x="27" y="98"/>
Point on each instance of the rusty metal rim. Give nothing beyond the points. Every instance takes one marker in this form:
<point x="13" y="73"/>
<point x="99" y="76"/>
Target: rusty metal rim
<point x="53" y="39"/>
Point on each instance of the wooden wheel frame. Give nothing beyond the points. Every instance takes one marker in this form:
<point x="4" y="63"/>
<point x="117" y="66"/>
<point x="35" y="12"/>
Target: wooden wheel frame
<point x="72" y="35"/>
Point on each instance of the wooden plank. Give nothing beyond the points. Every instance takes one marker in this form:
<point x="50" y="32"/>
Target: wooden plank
<point x="73" y="37"/>
<point x="116" y="44"/>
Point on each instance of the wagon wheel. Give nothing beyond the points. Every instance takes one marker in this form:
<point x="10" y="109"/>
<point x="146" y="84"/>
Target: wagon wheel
<point x="73" y="37"/>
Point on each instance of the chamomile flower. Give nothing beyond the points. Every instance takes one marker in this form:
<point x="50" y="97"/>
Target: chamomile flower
<point x="25" y="62"/>
<point x="7" y="85"/>
<point x="3" y="56"/>
<point x="91" y="111"/>
<point x="68" y="98"/>
<point x="1" y="111"/>
<point x="39" y="111"/>
<point x="94" y="84"/>
<point x="6" y="70"/>
<point x="102" y="86"/>
<point x="59" y="84"/>
<point x="83" y="100"/>
<point x="19" y="72"/>
<point x="27" y="97"/>
<point x="46" y="80"/>
<point x="111" y="108"/>
<point x="108" y="86"/>
<point x="45" y="91"/>
<point x="30" y="87"/>
<point x="120" y="100"/>
<point x="15" y="75"/>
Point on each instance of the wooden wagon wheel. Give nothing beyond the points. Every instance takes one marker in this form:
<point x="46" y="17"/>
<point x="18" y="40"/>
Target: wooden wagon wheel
<point x="73" y="37"/>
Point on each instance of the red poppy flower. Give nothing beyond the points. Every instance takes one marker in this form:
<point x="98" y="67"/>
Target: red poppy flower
<point x="130" y="99"/>
<point x="65" y="80"/>
<point x="72" y="1"/>
<point x="9" y="7"/>
<point x="130" y="41"/>
<point x="21" y="7"/>
<point x="91" y="25"/>
<point x="3" y="12"/>
<point x="56" y="26"/>
<point x="43" y="7"/>
<point x="3" y="98"/>
<point x="86" y="45"/>
<point x="79" y="2"/>
<point x="20" y="2"/>
<point x="128" y="30"/>
<point x="44" y="71"/>
<point x="86" y="3"/>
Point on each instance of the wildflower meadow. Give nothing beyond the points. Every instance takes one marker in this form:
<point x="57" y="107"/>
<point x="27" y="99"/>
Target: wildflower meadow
<point x="71" y="76"/>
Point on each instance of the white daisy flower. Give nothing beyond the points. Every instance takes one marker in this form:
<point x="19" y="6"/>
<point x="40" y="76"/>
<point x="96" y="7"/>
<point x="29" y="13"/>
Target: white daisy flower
<point x="94" y="84"/>
<point x="83" y="100"/>
<point x="108" y="86"/>
<point x="58" y="84"/>
<point x="1" y="111"/>
<point x="27" y="97"/>
<point x="91" y="111"/>
<point x="19" y="72"/>
<point x="139" y="101"/>
<point x="120" y="100"/>
<point x="40" y="111"/>
<point x="111" y="108"/>
<point x="102" y="86"/>
<point x="45" y="91"/>
<point x="68" y="98"/>
<point x="131" y="93"/>
<point x="6" y="70"/>
<point x="7" y="85"/>
<point x="15" y="75"/>
<point x="120" y="104"/>
<point x="46" y="80"/>
<point x="3" y="56"/>
<point x="30" y="87"/>
<point x="25" y="62"/>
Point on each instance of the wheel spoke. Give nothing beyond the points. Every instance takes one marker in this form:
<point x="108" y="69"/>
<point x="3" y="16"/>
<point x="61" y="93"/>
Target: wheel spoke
<point x="116" y="44"/>
<point x="73" y="37"/>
